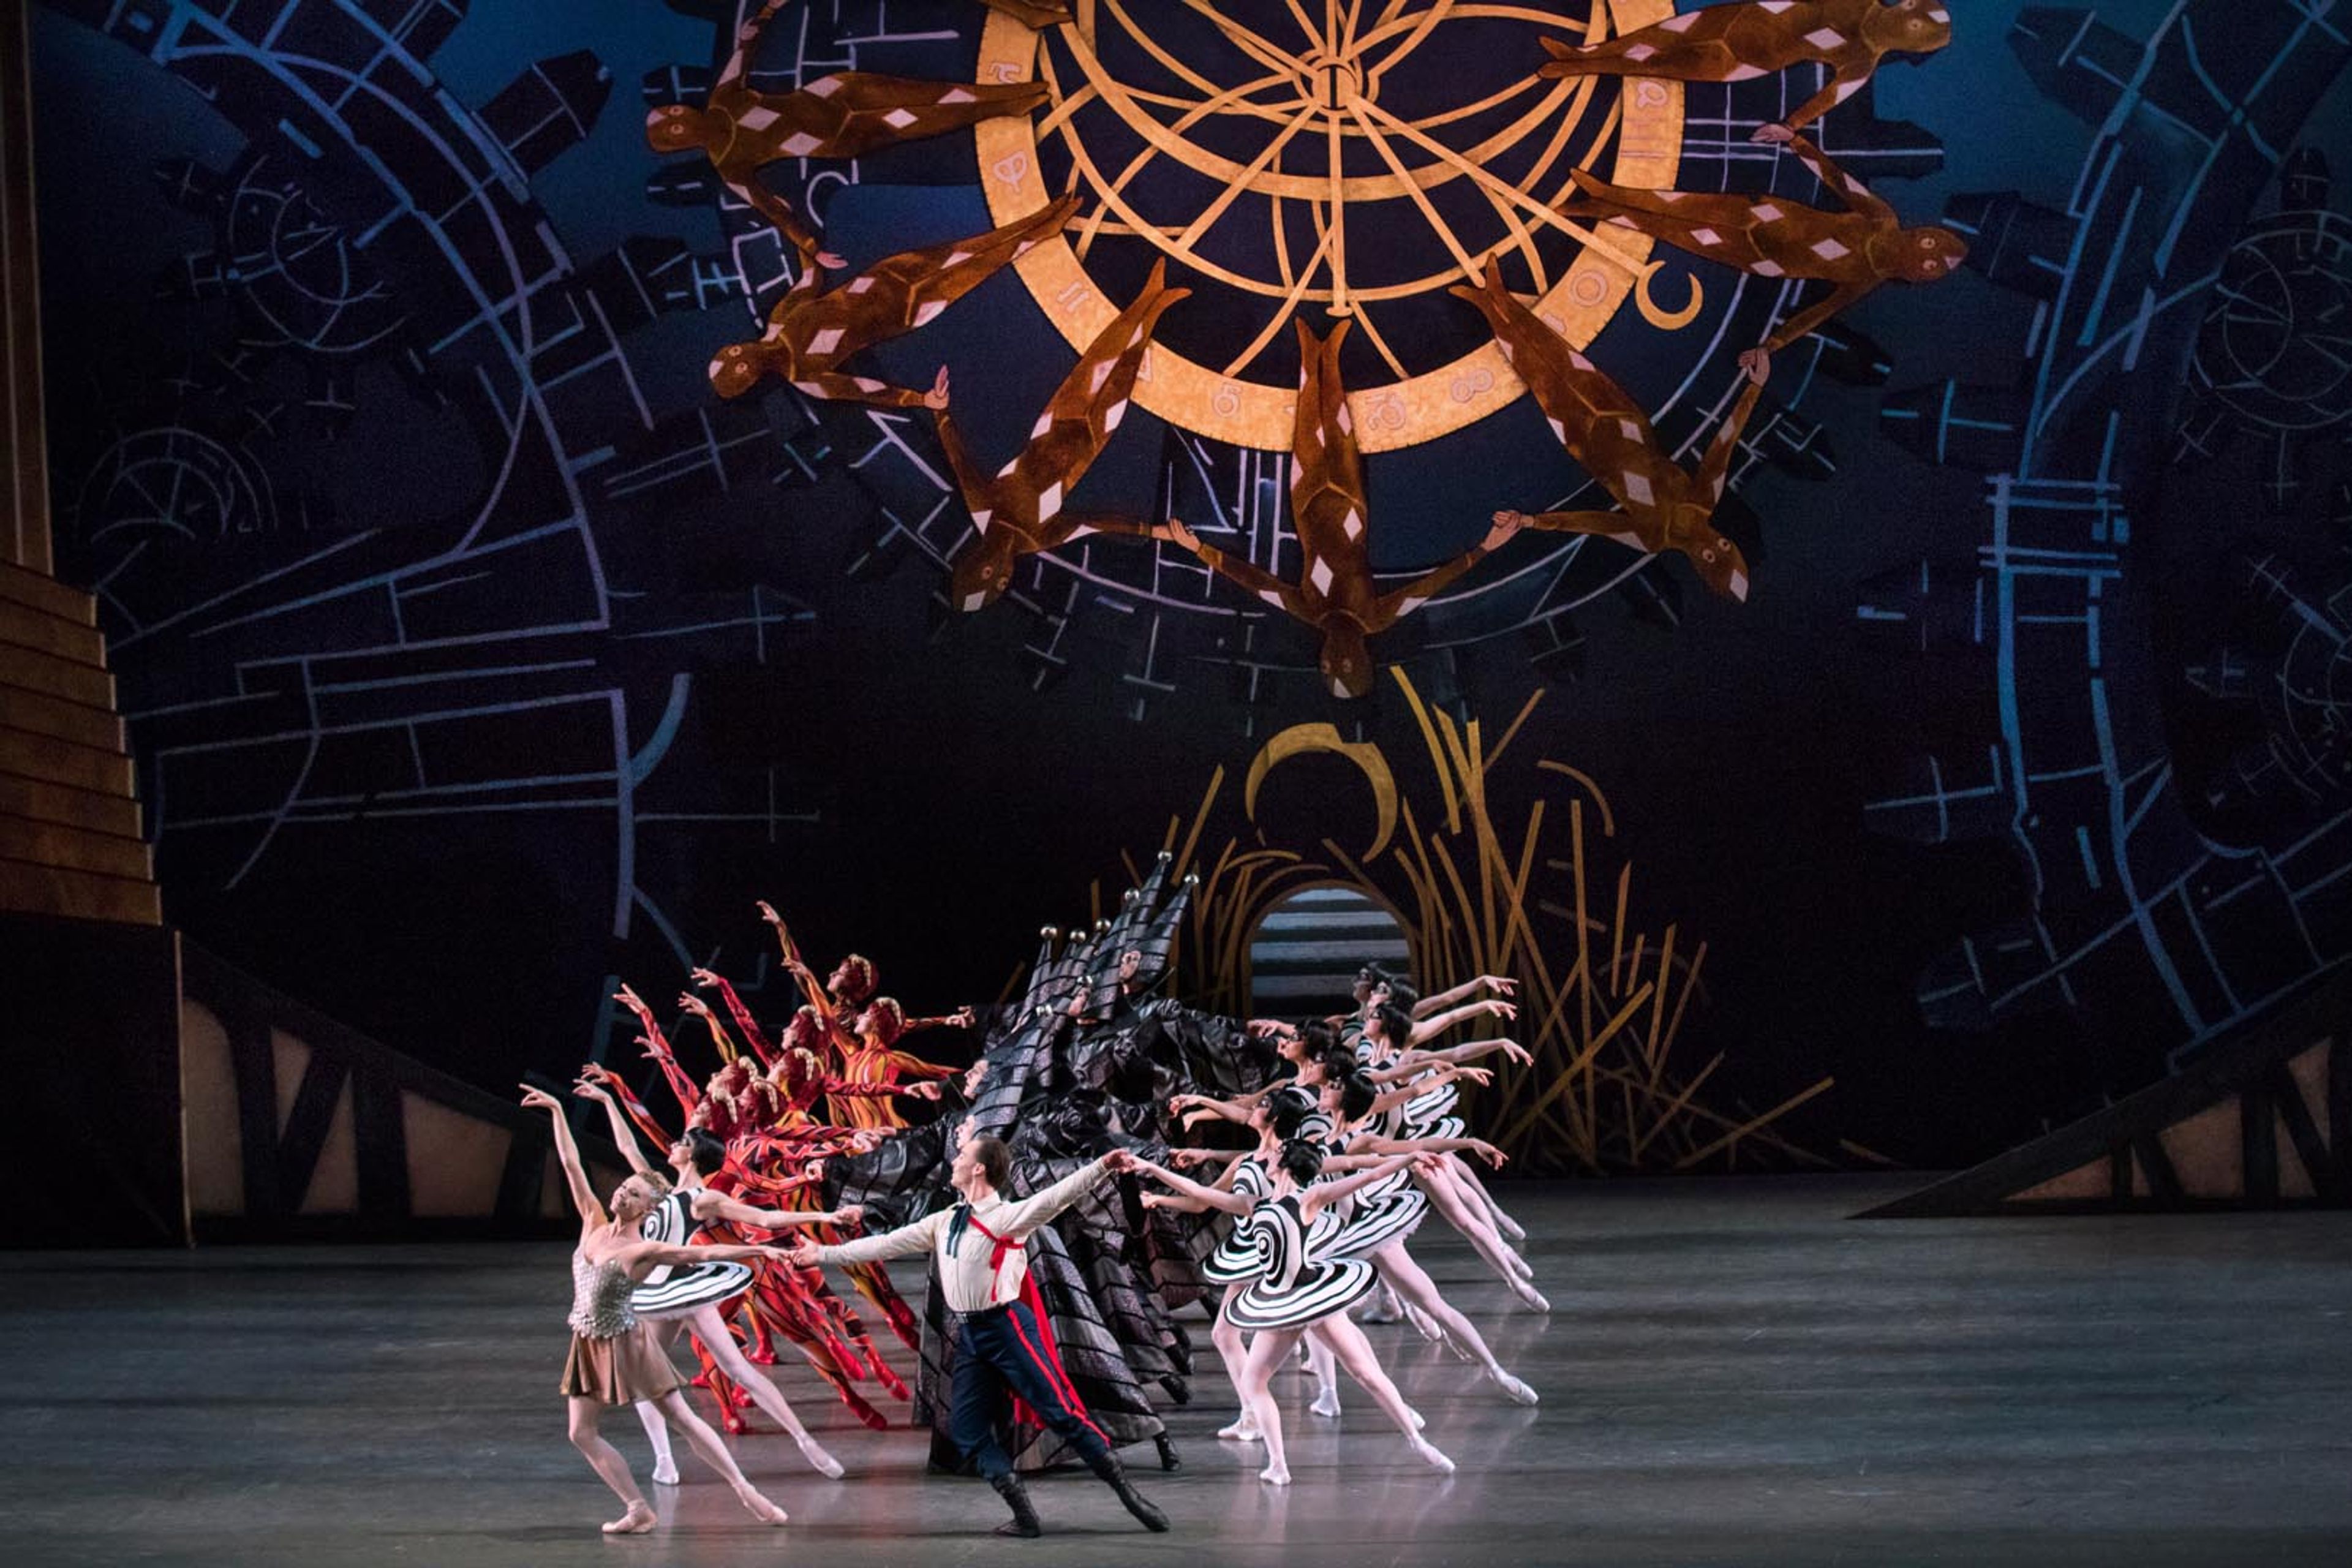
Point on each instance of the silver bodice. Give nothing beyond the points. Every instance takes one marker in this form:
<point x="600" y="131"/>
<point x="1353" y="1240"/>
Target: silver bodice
<point x="600" y="1299"/>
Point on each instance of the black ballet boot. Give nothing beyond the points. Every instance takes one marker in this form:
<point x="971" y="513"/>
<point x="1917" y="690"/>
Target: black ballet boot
<point x="1023" y="1523"/>
<point x="1105" y="1465"/>
<point x="1169" y="1459"/>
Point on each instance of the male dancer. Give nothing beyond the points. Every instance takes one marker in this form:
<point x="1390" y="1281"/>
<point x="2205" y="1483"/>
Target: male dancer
<point x="978" y="1245"/>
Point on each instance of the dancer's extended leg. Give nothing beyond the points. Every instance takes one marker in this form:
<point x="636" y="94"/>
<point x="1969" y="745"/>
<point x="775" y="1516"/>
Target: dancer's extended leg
<point x="706" y="1443"/>
<point x="1413" y="1283"/>
<point x="1355" y="1352"/>
<point x="711" y="1330"/>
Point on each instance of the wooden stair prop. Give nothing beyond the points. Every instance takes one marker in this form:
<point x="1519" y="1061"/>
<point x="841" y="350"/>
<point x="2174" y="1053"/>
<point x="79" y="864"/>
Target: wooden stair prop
<point x="2258" y="1120"/>
<point x="298" y="1127"/>
<point x="70" y="826"/>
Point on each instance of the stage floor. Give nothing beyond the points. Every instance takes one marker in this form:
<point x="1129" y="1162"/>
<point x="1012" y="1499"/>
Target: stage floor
<point x="1733" y="1373"/>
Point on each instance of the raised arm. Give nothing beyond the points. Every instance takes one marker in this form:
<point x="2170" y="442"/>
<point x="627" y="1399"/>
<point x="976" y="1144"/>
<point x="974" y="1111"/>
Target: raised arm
<point x="719" y="1035"/>
<point x="1470" y="1051"/>
<point x="1717" y="465"/>
<point x="745" y="1025"/>
<point x="1500" y="985"/>
<point x="1429" y="1028"/>
<point x="567" y="1154"/>
<point x="625" y="1137"/>
<point x="657" y="1045"/>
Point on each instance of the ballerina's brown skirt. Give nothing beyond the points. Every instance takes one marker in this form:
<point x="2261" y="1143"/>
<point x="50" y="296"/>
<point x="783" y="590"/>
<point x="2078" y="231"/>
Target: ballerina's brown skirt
<point x="619" y="1371"/>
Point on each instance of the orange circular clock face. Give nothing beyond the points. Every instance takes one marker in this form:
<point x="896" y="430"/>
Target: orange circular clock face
<point x="1334" y="159"/>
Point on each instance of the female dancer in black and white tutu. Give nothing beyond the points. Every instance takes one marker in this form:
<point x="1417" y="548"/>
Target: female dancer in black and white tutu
<point x="1294" y="1292"/>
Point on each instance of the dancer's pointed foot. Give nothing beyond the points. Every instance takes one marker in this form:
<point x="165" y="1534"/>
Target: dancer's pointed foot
<point x="636" y="1521"/>
<point x="1513" y="1231"/>
<point x="1528" y="1294"/>
<point x="1431" y="1456"/>
<point x="1423" y="1323"/>
<point x="1326" y="1403"/>
<point x="825" y="1464"/>
<point x="760" y="1506"/>
<point x="1241" y="1431"/>
<point x="1519" y="1266"/>
<point x="1513" y="1390"/>
<point x="666" y="1471"/>
<point x="1419" y="1420"/>
<point x="1384" y="1307"/>
<point x="1275" y="1474"/>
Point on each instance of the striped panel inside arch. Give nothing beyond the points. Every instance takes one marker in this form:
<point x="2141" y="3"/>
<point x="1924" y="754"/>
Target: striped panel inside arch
<point x="1304" y="954"/>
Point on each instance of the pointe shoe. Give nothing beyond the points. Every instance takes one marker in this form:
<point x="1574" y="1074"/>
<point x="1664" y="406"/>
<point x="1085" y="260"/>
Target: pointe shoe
<point x="1419" y="1420"/>
<point x="666" y="1471"/>
<point x="1513" y="1390"/>
<point x="1274" y="1476"/>
<point x="1513" y="1231"/>
<point x="759" y="1508"/>
<point x="1241" y="1431"/>
<point x="636" y="1521"/>
<point x="1520" y="1265"/>
<point x="1432" y="1458"/>
<point x="1528" y="1294"/>
<point x="1423" y="1323"/>
<point x="1327" y="1404"/>
<point x="825" y="1464"/>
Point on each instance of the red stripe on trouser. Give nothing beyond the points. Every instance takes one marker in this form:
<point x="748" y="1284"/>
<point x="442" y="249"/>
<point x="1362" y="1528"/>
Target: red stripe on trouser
<point x="1048" y="1370"/>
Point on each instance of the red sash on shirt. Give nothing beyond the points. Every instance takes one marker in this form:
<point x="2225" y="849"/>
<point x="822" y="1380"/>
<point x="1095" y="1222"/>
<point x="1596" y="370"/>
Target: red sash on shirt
<point x="1048" y="1354"/>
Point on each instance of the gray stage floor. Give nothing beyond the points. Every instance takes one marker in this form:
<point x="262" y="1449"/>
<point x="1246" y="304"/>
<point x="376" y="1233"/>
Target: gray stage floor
<point x="1732" y="1374"/>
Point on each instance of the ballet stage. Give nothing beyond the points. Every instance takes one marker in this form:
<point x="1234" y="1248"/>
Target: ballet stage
<point x="1733" y="1373"/>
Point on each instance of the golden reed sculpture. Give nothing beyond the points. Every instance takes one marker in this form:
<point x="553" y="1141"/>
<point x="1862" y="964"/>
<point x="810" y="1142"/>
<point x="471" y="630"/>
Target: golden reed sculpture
<point x="1546" y="900"/>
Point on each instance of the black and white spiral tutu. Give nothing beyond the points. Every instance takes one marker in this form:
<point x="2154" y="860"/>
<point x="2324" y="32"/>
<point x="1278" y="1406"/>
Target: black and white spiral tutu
<point x="1294" y="1289"/>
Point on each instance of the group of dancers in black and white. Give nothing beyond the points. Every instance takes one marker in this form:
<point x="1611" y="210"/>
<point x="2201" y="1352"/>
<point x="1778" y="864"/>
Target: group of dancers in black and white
<point x="1073" y="1194"/>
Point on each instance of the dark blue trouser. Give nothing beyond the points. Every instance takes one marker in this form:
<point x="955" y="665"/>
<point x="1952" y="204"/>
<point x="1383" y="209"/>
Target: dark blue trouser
<point x="1000" y="1350"/>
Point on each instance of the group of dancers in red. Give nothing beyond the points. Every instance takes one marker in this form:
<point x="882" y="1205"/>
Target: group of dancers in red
<point x="1072" y="1192"/>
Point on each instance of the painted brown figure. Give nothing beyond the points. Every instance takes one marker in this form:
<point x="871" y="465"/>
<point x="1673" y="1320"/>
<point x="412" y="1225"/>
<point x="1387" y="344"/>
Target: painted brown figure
<point x="1854" y="251"/>
<point x="845" y="114"/>
<point x="813" y="330"/>
<point x="1335" y="595"/>
<point x="1019" y="511"/>
<point x="1757" y="38"/>
<point x="1607" y="432"/>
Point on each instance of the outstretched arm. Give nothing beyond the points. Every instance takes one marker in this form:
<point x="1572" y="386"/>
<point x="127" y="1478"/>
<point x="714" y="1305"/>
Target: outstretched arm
<point x="625" y="1137"/>
<point x="1242" y="573"/>
<point x="567" y="1154"/>
<point x="1323" y="1194"/>
<point x="709" y="1206"/>
<point x="745" y="1024"/>
<point x="1399" y="601"/>
<point x="1186" y="1187"/>
<point x="719" y="1037"/>
<point x="1501" y="985"/>
<point x="1431" y="1028"/>
<point x="1414" y="1061"/>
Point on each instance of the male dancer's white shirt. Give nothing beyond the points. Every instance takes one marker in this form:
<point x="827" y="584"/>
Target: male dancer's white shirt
<point x="969" y="1272"/>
